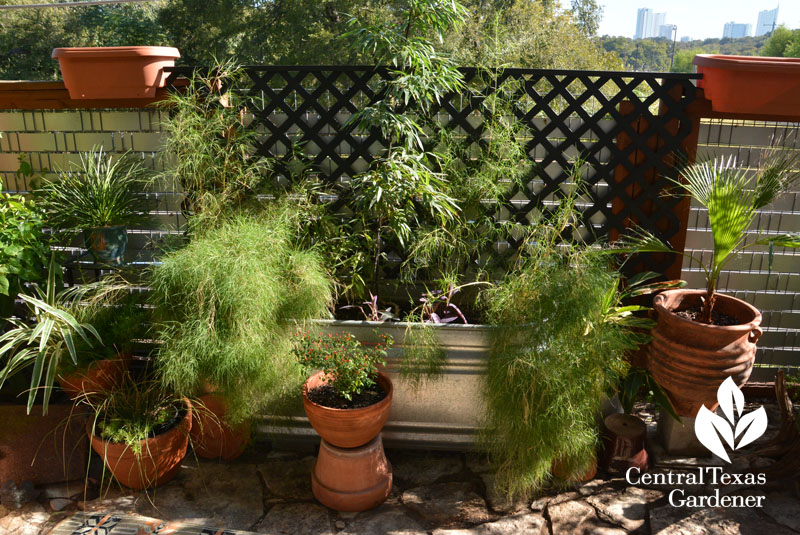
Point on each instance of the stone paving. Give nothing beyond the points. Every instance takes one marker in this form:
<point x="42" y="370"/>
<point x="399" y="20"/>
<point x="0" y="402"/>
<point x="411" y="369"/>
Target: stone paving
<point x="434" y="493"/>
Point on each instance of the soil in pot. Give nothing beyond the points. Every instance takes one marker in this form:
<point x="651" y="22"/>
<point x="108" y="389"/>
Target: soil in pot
<point x="160" y="457"/>
<point x="717" y="317"/>
<point x="326" y="396"/>
<point x="347" y="428"/>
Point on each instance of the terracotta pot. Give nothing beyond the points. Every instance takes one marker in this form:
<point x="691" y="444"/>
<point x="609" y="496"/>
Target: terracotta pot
<point x="352" y="479"/>
<point x="107" y="244"/>
<point x="624" y="440"/>
<point x="212" y="438"/>
<point x="689" y="360"/>
<point x="561" y="472"/>
<point x="347" y="428"/>
<point x="99" y="376"/>
<point x="752" y="85"/>
<point x="113" y="72"/>
<point x="160" y="458"/>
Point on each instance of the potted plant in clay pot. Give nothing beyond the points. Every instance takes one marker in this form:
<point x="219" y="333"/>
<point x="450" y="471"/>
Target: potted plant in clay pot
<point x="347" y="401"/>
<point x="112" y="72"/>
<point x="119" y="320"/>
<point x="225" y="311"/>
<point x="703" y="337"/>
<point x="141" y="430"/>
<point x="100" y="196"/>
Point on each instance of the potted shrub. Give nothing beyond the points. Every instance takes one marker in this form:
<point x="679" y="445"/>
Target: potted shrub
<point x="100" y="196"/>
<point x="225" y="310"/>
<point x="347" y="402"/>
<point x="702" y="337"/>
<point x="141" y="430"/>
<point x="24" y="248"/>
<point x="111" y="72"/>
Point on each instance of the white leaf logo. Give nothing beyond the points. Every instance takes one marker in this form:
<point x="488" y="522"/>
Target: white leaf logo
<point x="709" y="427"/>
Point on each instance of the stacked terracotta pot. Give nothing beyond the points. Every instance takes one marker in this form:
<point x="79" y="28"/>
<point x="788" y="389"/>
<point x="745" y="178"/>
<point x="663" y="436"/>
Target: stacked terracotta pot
<point x="352" y="472"/>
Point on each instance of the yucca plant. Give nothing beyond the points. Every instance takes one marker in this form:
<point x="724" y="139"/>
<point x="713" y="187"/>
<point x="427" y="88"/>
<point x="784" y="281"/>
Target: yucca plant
<point x="732" y="195"/>
<point x="49" y="338"/>
<point x="102" y="190"/>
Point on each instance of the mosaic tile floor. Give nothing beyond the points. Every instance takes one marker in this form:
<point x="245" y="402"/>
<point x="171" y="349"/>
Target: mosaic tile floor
<point x="118" y="524"/>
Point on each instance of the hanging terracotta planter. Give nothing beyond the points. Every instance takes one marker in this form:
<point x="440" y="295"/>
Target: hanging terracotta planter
<point x="689" y="360"/>
<point x="99" y="376"/>
<point x="212" y="437"/>
<point x="114" y="71"/>
<point x="751" y="84"/>
<point x="352" y="479"/>
<point x="347" y="428"/>
<point x="107" y="244"/>
<point x="158" y="462"/>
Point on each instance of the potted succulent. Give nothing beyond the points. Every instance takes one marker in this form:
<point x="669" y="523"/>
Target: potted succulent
<point x="141" y="430"/>
<point x="225" y="307"/>
<point x="702" y="337"/>
<point x="114" y="71"/>
<point x="347" y="401"/>
<point x="100" y="196"/>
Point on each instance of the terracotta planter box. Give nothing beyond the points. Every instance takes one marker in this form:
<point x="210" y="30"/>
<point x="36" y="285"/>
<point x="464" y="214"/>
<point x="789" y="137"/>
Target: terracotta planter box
<point x="751" y="85"/>
<point x="42" y="449"/>
<point x="445" y="414"/>
<point x="114" y="71"/>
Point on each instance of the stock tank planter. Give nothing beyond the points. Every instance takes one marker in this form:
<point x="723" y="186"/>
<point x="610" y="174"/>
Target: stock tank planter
<point x="689" y="360"/>
<point x="114" y="71"/>
<point x="107" y="244"/>
<point x="347" y="428"/>
<point x="159" y="460"/>
<point x="752" y="85"/>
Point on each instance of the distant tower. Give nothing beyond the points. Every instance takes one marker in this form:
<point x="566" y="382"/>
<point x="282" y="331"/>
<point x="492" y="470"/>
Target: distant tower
<point x="659" y="20"/>
<point x="735" y="30"/>
<point x="644" y="23"/>
<point x="666" y="31"/>
<point x="767" y="21"/>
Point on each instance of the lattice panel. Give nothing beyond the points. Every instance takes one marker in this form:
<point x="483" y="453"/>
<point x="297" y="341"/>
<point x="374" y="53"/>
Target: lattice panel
<point x="625" y="127"/>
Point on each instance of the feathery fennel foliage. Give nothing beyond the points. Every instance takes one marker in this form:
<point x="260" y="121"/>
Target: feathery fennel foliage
<point x="554" y="354"/>
<point x="226" y="305"/>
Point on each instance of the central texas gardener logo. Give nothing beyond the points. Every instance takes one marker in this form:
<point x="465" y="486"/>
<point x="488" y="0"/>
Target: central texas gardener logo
<point x="735" y="430"/>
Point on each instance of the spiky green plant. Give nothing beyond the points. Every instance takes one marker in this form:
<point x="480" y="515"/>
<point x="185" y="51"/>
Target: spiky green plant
<point x="47" y="339"/>
<point x="226" y="306"/>
<point x="102" y="190"/>
<point x="732" y="195"/>
<point x="557" y="348"/>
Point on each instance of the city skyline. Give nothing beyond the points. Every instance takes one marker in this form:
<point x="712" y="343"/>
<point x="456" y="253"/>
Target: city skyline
<point x="698" y="20"/>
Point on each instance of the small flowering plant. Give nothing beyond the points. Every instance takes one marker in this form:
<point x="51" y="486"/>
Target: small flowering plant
<point x="349" y="366"/>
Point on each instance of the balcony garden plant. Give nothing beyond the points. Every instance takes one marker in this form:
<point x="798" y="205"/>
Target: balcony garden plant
<point x="703" y="337"/>
<point x="226" y="305"/>
<point x="140" y="429"/>
<point x="99" y="196"/>
<point x="347" y="401"/>
<point x="24" y="250"/>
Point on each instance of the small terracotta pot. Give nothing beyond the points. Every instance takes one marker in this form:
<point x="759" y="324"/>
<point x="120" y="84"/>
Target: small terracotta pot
<point x="101" y="375"/>
<point x="689" y="360"/>
<point x="160" y="458"/>
<point x="112" y="72"/>
<point x="352" y="479"/>
<point x="624" y="441"/>
<point x="347" y="428"/>
<point x="212" y="438"/>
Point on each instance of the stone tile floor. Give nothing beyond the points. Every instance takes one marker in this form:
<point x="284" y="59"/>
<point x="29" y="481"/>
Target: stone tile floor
<point x="434" y="493"/>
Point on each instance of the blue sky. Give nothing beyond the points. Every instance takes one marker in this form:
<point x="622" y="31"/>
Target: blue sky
<point x="696" y="18"/>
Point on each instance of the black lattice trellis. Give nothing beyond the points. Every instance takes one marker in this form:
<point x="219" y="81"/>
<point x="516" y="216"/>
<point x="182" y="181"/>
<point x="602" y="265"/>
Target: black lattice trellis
<point x="626" y="127"/>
